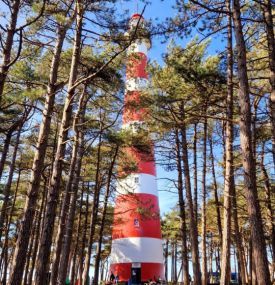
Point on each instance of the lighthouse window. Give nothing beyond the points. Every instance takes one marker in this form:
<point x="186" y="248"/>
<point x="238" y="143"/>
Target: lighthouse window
<point x="136" y="179"/>
<point x="136" y="223"/>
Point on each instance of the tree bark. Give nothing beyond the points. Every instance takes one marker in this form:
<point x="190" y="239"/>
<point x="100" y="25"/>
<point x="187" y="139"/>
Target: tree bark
<point x="166" y="253"/>
<point x="102" y="224"/>
<point x="84" y="237"/>
<point x="30" y="249"/>
<point x="185" y="269"/>
<point x="38" y="162"/>
<point x="229" y="168"/>
<point x="76" y="157"/>
<point x="238" y="239"/>
<point x="7" y="49"/>
<point x="268" y="17"/>
<point x="250" y="186"/>
<point x="193" y="226"/>
<point x="253" y="277"/>
<point x="195" y="174"/>
<point x="7" y="188"/>
<point x="76" y="248"/>
<point x="203" y="208"/>
<point x="47" y="232"/>
<point x="5" y="150"/>
<point x="173" y="262"/>
<point x="78" y="152"/>
<point x="268" y="194"/>
<point x="4" y="253"/>
<point x="93" y="213"/>
<point x="63" y="216"/>
<point x="215" y="188"/>
<point x="6" y="240"/>
<point x="37" y="233"/>
<point x="176" y="262"/>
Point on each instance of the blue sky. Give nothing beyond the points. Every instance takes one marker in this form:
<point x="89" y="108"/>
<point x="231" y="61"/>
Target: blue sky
<point x="157" y="11"/>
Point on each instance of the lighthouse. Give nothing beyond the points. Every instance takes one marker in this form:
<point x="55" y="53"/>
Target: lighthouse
<point x="137" y="254"/>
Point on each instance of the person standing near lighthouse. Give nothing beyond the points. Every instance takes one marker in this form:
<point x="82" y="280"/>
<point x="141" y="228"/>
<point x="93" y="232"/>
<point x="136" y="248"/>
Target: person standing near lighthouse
<point x="137" y="253"/>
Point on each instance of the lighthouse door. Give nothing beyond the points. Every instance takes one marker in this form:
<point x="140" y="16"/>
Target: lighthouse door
<point x="136" y="275"/>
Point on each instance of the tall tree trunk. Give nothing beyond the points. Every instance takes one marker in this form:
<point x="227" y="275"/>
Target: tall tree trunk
<point x="5" y="262"/>
<point x="46" y="188"/>
<point x="76" y="247"/>
<point x="30" y="249"/>
<point x="250" y="186"/>
<point x="215" y="190"/>
<point x="195" y="174"/>
<point x="7" y="188"/>
<point x="4" y="254"/>
<point x="192" y="226"/>
<point x="7" y="49"/>
<point x="229" y="168"/>
<point x="16" y="125"/>
<point x="102" y="269"/>
<point x="238" y="239"/>
<point x="210" y="255"/>
<point x="185" y="269"/>
<point x="37" y="233"/>
<point x="47" y="232"/>
<point x="268" y="194"/>
<point x="102" y="224"/>
<point x="203" y="208"/>
<point x="68" y="192"/>
<point x="107" y="269"/>
<point x="22" y="242"/>
<point x="6" y="240"/>
<point x="78" y="150"/>
<point x="268" y="17"/>
<point x="173" y="262"/>
<point x="253" y="277"/>
<point x="63" y="217"/>
<point x="166" y="253"/>
<point x="94" y="213"/>
<point x="84" y="237"/>
<point x="5" y="150"/>
<point x="176" y="262"/>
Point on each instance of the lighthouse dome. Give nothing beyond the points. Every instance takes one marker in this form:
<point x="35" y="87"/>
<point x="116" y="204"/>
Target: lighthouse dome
<point x="136" y="19"/>
<point x="141" y="33"/>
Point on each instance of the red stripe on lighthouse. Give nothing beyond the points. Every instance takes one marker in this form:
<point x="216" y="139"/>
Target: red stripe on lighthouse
<point x="132" y="112"/>
<point x="137" y="65"/>
<point x="144" y="161"/>
<point x="136" y="216"/>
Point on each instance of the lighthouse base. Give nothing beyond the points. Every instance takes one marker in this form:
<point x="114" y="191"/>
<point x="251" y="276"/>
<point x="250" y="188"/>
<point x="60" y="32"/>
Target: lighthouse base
<point x="138" y="273"/>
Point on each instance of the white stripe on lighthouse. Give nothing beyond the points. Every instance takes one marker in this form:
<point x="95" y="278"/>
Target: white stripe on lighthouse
<point x="134" y="126"/>
<point x="137" y="249"/>
<point x="138" y="47"/>
<point x="136" y="84"/>
<point x="137" y="184"/>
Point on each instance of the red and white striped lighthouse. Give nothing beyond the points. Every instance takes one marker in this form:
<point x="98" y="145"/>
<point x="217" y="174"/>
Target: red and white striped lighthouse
<point x="137" y="253"/>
